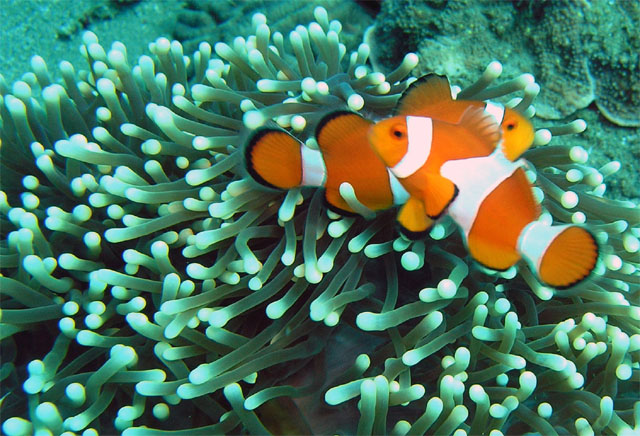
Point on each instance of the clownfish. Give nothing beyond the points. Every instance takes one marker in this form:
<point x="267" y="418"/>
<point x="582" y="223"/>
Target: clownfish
<point x="468" y="168"/>
<point x="430" y="96"/>
<point x="428" y="101"/>
<point x="276" y="159"/>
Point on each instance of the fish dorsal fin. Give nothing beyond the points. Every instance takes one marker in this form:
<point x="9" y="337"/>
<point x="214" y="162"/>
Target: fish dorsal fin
<point x="336" y="127"/>
<point x="439" y="192"/>
<point x="413" y="220"/>
<point x="348" y="156"/>
<point x="424" y="96"/>
<point x="481" y="125"/>
<point x="273" y="158"/>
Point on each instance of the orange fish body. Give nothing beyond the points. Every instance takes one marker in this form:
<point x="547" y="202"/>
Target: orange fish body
<point x="342" y="139"/>
<point x="468" y="167"/>
<point x="437" y="155"/>
<point x="508" y="209"/>
<point x="427" y="104"/>
<point x="498" y="216"/>
<point x="415" y="148"/>
<point x="278" y="160"/>
<point x="430" y="96"/>
<point x="465" y="173"/>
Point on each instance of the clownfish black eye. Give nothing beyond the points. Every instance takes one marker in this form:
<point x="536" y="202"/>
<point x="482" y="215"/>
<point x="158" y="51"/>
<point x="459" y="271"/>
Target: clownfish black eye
<point x="397" y="133"/>
<point x="511" y="125"/>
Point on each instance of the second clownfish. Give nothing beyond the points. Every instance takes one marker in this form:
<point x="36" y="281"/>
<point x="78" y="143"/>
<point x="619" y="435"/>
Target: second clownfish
<point x="472" y="172"/>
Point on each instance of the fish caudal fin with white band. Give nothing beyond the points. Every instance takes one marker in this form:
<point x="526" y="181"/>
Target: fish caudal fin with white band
<point x="562" y="256"/>
<point x="274" y="158"/>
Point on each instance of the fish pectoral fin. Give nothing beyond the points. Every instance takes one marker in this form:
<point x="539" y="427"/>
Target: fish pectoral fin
<point x="482" y="125"/>
<point x="412" y="218"/>
<point x="438" y="192"/>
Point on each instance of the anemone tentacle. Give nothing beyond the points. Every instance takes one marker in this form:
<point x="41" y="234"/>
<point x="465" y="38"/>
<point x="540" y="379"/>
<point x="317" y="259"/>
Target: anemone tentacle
<point x="137" y="248"/>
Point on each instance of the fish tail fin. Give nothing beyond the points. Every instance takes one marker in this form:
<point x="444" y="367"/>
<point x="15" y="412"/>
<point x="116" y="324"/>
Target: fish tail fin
<point x="562" y="256"/>
<point x="274" y="158"/>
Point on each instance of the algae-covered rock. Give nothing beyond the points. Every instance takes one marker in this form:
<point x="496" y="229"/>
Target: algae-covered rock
<point x="579" y="52"/>
<point x="614" y="63"/>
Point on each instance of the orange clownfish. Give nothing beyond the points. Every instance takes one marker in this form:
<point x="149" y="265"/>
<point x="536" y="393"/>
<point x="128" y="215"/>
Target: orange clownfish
<point x="430" y="96"/>
<point x="470" y="170"/>
<point x="276" y="159"/>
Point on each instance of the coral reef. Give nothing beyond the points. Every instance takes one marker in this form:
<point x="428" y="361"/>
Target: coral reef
<point x="577" y="55"/>
<point x="92" y="12"/>
<point x="144" y="276"/>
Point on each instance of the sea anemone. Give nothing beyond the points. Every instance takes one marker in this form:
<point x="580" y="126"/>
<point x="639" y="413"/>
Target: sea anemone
<point x="146" y="277"/>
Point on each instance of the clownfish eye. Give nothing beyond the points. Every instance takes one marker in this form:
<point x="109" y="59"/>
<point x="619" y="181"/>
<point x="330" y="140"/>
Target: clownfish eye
<point x="511" y="125"/>
<point x="397" y="131"/>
